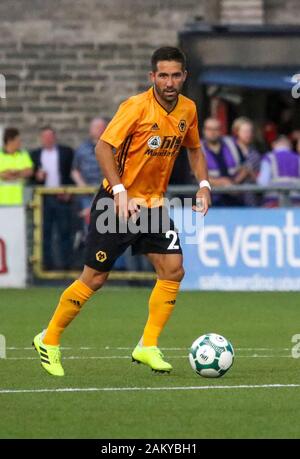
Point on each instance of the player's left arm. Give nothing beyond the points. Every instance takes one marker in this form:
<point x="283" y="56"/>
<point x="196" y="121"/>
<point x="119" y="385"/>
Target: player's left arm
<point x="198" y="166"/>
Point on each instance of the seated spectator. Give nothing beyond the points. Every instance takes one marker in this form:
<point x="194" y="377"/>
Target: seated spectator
<point x="281" y="166"/>
<point x="15" y="167"/>
<point x="52" y="165"/>
<point x="223" y="161"/>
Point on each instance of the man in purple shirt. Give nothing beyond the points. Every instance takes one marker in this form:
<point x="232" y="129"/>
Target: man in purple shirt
<point x="223" y="162"/>
<point x="281" y="166"/>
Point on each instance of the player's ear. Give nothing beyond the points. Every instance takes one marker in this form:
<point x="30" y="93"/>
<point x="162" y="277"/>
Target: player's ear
<point x="151" y="76"/>
<point x="184" y="75"/>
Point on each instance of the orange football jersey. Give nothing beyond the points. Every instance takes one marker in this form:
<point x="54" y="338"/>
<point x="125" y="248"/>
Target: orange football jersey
<point x="147" y="140"/>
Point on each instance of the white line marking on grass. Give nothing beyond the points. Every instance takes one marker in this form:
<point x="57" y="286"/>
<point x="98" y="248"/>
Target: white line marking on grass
<point x="32" y="349"/>
<point x="140" y="389"/>
<point x="106" y="357"/>
<point x="108" y="348"/>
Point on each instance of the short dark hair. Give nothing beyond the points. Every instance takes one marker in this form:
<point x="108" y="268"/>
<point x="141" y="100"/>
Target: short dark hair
<point x="167" y="53"/>
<point x="10" y="134"/>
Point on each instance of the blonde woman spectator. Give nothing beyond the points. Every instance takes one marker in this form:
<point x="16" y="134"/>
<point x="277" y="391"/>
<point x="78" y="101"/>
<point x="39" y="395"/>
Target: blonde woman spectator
<point x="243" y="138"/>
<point x="243" y="133"/>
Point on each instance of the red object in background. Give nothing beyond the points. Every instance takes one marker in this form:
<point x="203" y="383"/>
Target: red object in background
<point x="87" y="218"/>
<point x="270" y="132"/>
<point x="219" y="110"/>
<point x="3" y="264"/>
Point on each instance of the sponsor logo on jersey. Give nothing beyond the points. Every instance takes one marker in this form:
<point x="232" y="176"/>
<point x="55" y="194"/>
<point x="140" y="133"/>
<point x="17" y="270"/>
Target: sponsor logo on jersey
<point x="154" y="142"/>
<point x="182" y="125"/>
<point x="169" y="145"/>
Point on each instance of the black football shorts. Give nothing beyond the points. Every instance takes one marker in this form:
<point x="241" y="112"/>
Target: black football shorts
<point x="107" y="238"/>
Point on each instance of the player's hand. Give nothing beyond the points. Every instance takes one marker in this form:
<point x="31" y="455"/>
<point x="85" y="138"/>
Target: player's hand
<point x="40" y="175"/>
<point x="225" y="181"/>
<point x="64" y="197"/>
<point x="7" y="175"/>
<point x="121" y="205"/>
<point x="133" y="209"/>
<point x="203" y="200"/>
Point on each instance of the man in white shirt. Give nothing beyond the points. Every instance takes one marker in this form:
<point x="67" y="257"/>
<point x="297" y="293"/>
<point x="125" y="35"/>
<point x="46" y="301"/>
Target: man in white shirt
<point x="53" y="163"/>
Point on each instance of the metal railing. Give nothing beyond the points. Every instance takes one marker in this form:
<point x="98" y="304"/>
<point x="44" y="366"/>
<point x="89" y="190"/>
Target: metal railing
<point x="284" y="191"/>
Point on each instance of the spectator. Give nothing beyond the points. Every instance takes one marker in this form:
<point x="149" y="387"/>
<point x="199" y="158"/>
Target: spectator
<point x="243" y="132"/>
<point x="295" y="139"/>
<point x="15" y="167"/>
<point x="223" y="161"/>
<point x="52" y="164"/>
<point x="280" y="167"/>
<point x="85" y="168"/>
<point x="298" y="146"/>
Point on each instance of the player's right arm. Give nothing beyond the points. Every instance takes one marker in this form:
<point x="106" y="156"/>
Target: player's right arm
<point x="106" y="159"/>
<point x="122" y="125"/>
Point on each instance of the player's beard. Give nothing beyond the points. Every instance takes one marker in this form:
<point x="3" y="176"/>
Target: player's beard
<point x="168" y="98"/>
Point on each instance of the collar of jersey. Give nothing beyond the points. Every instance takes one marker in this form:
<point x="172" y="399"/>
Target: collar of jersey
<point x="165" y="112"/>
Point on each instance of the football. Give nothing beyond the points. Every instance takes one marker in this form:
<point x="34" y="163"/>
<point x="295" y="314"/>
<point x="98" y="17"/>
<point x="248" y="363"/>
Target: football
<point x="211" y="355"/>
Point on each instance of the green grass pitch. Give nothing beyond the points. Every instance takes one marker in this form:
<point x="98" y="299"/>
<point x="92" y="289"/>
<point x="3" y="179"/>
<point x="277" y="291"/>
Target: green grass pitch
<point x="120" y="399"/>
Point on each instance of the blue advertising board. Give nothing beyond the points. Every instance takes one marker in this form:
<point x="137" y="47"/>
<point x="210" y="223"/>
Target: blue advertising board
<point x="242" y="249"/>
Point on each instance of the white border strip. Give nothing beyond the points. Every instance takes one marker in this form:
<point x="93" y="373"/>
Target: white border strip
<point x="109" y="357"/>
<point x="108" y="348"/>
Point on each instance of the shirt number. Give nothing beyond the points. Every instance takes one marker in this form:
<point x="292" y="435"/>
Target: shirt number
<point x="172" y="234"/>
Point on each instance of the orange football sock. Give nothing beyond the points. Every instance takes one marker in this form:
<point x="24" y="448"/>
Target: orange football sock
<point x="161" y="305"/>
<point x="70" y="303"/>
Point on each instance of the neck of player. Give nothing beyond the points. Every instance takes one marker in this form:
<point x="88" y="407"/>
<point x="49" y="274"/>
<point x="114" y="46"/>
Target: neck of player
<point x="168" y="106"/>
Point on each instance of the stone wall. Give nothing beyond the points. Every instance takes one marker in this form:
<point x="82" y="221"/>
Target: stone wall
<point x="66" y="62"/>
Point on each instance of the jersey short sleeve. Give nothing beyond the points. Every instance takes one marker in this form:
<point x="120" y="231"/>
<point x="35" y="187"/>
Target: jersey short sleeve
<point x="123" y="123"/>
<point x="192" y="138"/>
<point x="25" y="161"/>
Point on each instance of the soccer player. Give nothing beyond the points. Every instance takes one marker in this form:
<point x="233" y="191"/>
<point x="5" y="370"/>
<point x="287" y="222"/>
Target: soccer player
<point x="147" y="132"/>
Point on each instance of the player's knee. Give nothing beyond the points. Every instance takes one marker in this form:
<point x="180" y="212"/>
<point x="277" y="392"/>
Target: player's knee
<point x="97" y="282"/>
<point x="175" y="274"/>
<point x="180" y="274"/>
<point x="93" y="279"/>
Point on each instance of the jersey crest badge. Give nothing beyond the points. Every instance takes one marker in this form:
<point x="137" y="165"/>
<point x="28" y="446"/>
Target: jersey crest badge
<point x="182" y="125"/>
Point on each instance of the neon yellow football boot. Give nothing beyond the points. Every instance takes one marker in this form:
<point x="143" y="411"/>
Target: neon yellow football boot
<point x="50" y="356"/>
<point x="151" y="356"/>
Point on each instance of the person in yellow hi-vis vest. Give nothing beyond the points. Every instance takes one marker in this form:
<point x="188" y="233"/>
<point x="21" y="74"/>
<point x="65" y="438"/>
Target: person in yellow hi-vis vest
<point x="15" y="167"/>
